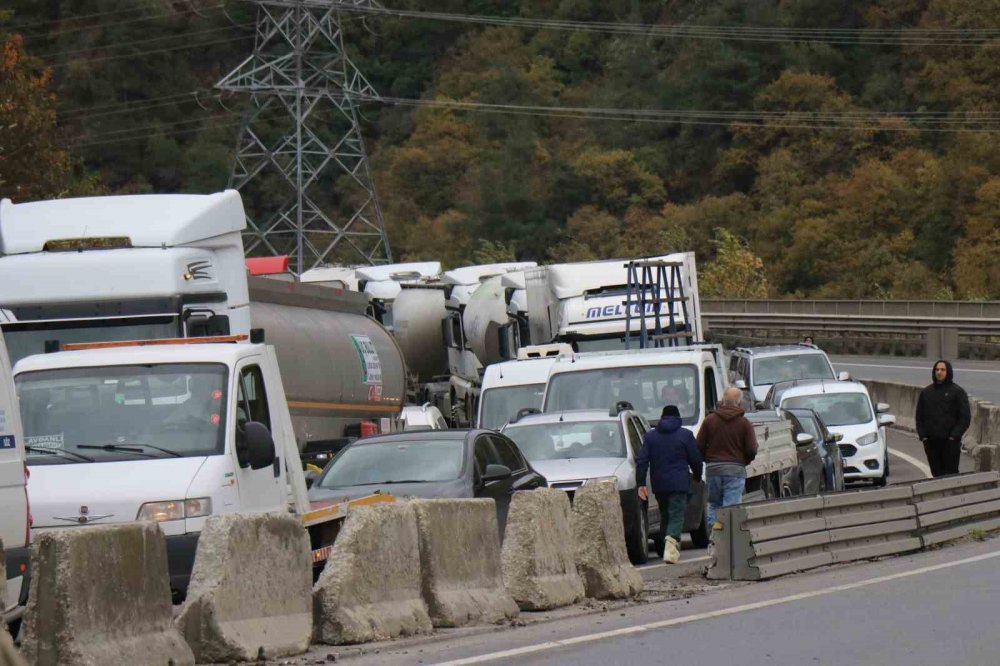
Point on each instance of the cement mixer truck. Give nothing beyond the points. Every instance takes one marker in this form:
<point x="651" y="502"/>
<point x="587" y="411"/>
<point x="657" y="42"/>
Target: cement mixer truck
<point x="158" y="401"/>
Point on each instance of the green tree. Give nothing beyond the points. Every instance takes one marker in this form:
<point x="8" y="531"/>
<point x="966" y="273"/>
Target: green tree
<point x="736" y="272"/>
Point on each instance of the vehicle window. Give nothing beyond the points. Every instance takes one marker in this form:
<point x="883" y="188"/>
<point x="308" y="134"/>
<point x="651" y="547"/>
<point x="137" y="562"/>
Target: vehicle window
<point x="501" y="404"/>
<point x="711" y="393"/>
<point x="251" y="400"/>
<point x="176" y="407"/>
<point x="396" y="462"/>
<point x="647" y="388"/>
<point x="808" y="425"/>
<point x="484" y="454"/>
<point x="455" y="331"/>
<point x="635" y="436"/>
<point x="836" y="409"/>
<point x="791" y="366"/>
<point x="570" y="439"/>
<point x="734" y="361"/>
<point x="508" y="454"/>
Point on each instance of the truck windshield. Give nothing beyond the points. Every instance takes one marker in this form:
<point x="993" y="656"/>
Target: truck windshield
<point x="501" y="404"/>
<point x="569" y="439"/>
<point x="123" y="412"/>
<point x="27" y="338"/>
<point x="648" y="388"/>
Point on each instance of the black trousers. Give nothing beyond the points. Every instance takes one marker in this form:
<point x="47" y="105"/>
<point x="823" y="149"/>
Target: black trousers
<point x="943" y="455"/>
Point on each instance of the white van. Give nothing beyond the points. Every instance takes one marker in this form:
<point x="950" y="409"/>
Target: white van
<point x="513" y="385"/>
<point x="15" y="517"/>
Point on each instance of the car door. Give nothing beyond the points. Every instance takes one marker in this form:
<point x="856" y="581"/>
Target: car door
<point x="261" y="489"/>
<point x="635" y="430"/>
<point x="523" y="477"/>
<point x="485" y="454"/>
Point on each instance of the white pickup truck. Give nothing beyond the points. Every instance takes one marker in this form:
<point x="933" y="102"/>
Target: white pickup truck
<point x="167" y="430"/>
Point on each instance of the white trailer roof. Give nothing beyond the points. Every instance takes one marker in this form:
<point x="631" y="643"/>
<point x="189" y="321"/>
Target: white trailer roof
<point x="568" y="280"/>
<point x="475" y="274"/>
<point x="422" y="269"/>
<point x="148" y="220"/>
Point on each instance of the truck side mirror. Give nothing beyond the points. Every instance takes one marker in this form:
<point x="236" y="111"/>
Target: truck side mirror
<point x="740" y="384"/>
<point x="254" y="446"/>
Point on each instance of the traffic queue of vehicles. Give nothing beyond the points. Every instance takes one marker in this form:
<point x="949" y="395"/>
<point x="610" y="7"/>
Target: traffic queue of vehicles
<point x="147" y="367"/>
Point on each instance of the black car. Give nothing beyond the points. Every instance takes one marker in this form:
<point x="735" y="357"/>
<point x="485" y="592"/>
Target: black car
<point x="821" y="467"/>
<point x="430" y="464"/>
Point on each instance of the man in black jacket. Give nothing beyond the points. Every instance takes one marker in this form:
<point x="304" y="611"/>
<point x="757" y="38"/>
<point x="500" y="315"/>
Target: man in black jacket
<point x="942" y="418"/>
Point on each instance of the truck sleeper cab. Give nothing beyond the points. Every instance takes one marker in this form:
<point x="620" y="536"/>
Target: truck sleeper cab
<point x="171" y="433"/>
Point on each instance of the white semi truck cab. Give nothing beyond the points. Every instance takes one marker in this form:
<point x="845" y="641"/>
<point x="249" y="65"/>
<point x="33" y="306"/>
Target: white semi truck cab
<point x="167" y="431"/>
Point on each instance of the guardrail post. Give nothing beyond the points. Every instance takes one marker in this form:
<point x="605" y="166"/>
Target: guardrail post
<point x="942" y="343"/>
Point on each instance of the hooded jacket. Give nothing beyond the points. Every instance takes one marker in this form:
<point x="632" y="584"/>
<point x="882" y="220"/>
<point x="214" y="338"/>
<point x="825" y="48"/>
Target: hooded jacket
<point x="727" y="436"/>
<point x="943" y="408"/>
<point x="670" y="451"/>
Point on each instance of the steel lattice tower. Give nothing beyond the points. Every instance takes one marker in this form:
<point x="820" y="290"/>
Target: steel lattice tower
<point x="300" y="160"/>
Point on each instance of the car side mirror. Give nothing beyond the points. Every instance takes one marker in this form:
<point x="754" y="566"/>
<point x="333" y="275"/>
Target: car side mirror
<point x="496" y="473"/>
<point x="836" y="436"/>
<point x="804" y="439"/>
<point x="882" y="408"/>
<point x="740" y="384"/>
<point x="760" y="404"/>
<point x="844" y="376"/>
<point x="254" y="446"/>
<point x="311" y="477"/>
<point x="886" y="419"/>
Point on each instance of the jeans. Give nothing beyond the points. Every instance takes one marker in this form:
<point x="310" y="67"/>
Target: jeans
<point x="722" y="491"/>
<point x="672" y="507"/>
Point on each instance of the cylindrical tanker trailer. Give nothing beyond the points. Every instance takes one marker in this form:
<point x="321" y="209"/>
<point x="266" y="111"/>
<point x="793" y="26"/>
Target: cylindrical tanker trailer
<point x="339" y="367"/>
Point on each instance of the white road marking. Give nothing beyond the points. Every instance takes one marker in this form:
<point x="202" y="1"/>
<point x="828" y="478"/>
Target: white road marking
<point x="683" y="561"/>
<point x="910" y="367"/>
<point x="625" y="631"/>
<point x="924" y="469"/>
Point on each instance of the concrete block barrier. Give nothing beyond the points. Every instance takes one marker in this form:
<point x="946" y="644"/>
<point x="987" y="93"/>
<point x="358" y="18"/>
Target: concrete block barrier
<point x="249" y="591"/>
<point x="985" y="458"/>
<point x="460" y="562"/>
<point x="371" y="586"/>
<point x="537" y="558"/>
<point x="101" y="595"/>
<point x="601" y="558"/>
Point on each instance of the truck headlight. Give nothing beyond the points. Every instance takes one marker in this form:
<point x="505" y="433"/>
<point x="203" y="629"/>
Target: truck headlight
<point x="599" y="479"/>
<point x="175" y="509"/>
<point x="865" y="440"/>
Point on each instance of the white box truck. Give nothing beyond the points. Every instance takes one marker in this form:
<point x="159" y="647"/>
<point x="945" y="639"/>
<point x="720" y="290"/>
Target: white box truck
<point x="15" y="517"/>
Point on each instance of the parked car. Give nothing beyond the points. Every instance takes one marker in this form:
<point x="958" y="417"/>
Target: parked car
<point x="846" y="408"/>
<point x="821" y="467"/>
<point x="422" y="417"/>
<point x="430" y="463"/>
<point x="577" y="447"/>
<point x="755" y="369"/>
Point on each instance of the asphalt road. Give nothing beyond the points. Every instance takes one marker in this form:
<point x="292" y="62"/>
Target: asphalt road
<point x="980" y="379"/>
<point x="935" y="607"/>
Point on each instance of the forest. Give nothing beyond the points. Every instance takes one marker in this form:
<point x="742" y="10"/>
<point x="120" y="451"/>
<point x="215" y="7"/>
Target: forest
<point x="803" y="148"/>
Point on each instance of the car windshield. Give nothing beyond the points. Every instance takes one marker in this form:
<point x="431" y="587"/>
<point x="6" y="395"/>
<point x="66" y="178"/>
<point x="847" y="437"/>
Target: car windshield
<point x="571" y="439"/>
<point x="172" y="410"/>
<point x="501" y="404"/>
<point x="791" y="366"/>
<point x="836" y="409"/>
<point x="648" y="388"/>
<point x="396" y="462"/>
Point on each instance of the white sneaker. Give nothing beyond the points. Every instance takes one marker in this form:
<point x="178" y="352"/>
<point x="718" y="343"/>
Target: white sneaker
<point x="671" y="551"/>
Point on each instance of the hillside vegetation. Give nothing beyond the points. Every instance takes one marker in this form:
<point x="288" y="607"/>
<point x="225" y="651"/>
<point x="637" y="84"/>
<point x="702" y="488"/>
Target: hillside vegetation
<point x="824" y="159"/>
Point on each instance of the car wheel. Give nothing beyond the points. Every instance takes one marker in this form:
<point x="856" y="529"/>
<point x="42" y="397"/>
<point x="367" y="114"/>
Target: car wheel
<point x="638" y="537"/>
<point x="699" y="535"/>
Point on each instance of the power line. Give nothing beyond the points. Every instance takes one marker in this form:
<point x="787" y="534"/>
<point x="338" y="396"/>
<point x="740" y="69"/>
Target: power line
<point x="867" y="36"/>
<point x="103" y="47"/>
<point x="115" y="24"/>
<point x="139" y="54"/>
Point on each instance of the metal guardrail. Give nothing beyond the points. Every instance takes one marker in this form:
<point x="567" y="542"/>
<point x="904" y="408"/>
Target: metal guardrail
<point x="970" y="317"/>
<point x="767" y="539"/>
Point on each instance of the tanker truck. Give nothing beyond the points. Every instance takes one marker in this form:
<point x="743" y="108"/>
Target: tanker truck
<point x="159" y="401"/>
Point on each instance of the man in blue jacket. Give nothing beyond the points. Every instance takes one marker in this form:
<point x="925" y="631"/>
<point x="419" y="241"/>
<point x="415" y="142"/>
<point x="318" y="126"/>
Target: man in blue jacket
<point x="670" y="451"/>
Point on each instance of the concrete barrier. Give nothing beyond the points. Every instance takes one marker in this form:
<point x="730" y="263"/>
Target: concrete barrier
<point x="101" y="595"/>
<point x="249" y="591"/>
<point x="370" y="589"/>
<point x="3" y="577"/>
<point x="985" y="458"/>
<point x="537" y="556"/>
<point x="460" y="562"/>
<point x="601" y="558"/>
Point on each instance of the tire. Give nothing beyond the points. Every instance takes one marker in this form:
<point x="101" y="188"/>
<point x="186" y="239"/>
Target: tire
<point x="699" y="535"/>
<point x="637" y="542"/>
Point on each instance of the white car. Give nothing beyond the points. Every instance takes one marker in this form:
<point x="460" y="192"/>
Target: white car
<point x="422" y="417"/>
<point x="760" y="367"/>
<point x="846" y="408"/>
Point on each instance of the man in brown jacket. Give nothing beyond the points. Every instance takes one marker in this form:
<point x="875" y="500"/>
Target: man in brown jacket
<point x="728" y="444"/>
